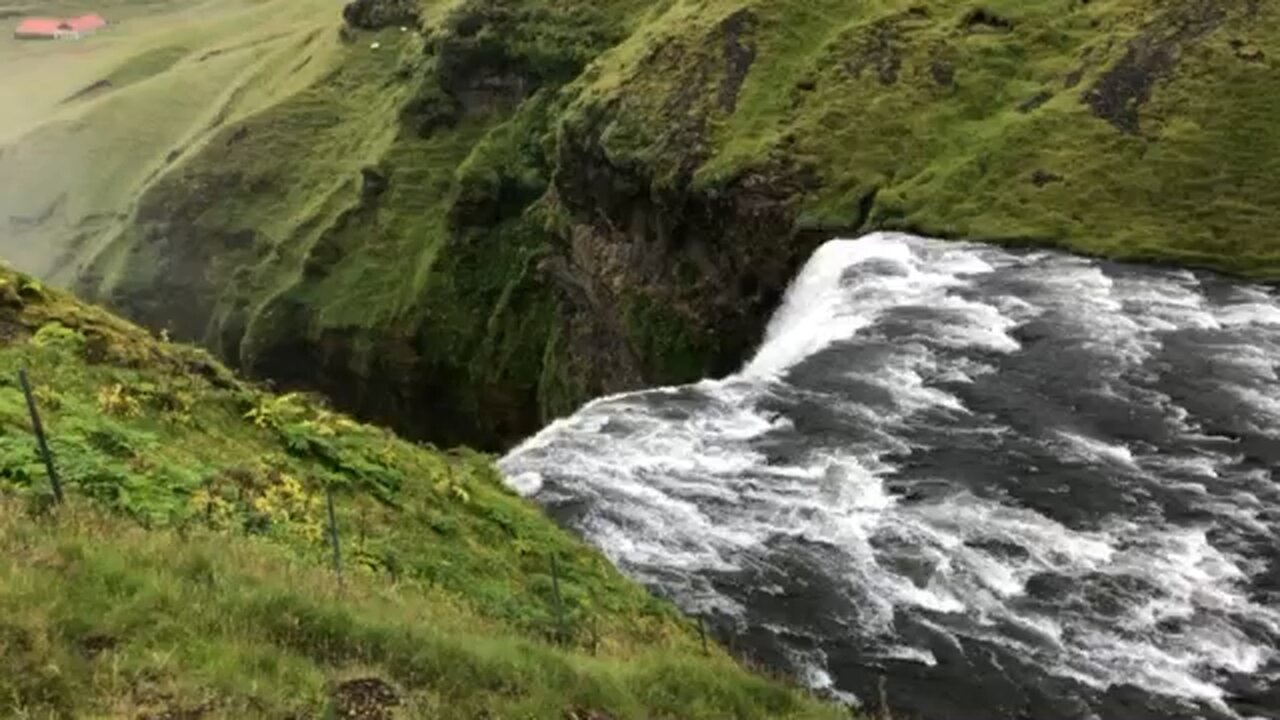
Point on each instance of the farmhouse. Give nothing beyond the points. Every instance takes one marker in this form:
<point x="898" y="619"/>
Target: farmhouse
<point x="39" y="28"/>
<point x="86" y="24"/>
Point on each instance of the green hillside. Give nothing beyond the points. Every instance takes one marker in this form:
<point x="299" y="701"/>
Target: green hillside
<point x="189" y="573"/>
<point x="459" y="219"/>
<point x="86" y="125"/>
<point x="468" y="226"/>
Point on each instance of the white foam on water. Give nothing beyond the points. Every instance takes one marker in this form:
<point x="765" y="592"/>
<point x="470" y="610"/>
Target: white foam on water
<point x="812" y="672"/>
<point x="1080" y="295"/>
<point x="1159" y="305"/>
<point x="526" y="483"/>
<point x="679" y="484"/>
<point x="1205" y="466"/>
<point x="824" y="306"/>
<point x="903" y="376"/>
<point x="910" y="654"/>
<point x="1255" y="313"/>
<point x="1094" y="450"/>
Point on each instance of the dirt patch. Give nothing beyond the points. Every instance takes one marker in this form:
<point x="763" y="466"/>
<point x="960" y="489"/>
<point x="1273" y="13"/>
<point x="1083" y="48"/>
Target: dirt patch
<point x="373" y="182"/>
<point x="1247" y="52"/>
<point x="15" y="639"/>
<point x="981" y="19"/>
<point x="1040" y="178"/>
<point x="364" y="699"/>
<point x="1122" y="90"/>
<point x="12" y="333"/>
<point x="943" y="73"/>
<point x="879" y="51"/>
<point x="94" y="644"/>
<point x="738" y="57"/>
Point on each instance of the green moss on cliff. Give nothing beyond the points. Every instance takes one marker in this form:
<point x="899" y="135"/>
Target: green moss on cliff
<point x="1114" y="128"/>
<point x="373" y="235"/>
<point x="664" y="334"/>
<point x="518" y="205"/>
<point x="188" y="573"/>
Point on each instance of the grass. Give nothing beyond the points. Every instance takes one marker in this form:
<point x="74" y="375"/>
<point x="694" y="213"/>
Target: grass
<point x="909" y="100"/>
<point x="219" y="626"/>
<point x="421" y="298"/>
<point x="136" y="425"/>
<point x="518" y="205"/>
<point x="189" y="571"/>
<point x="1115" y="129"/>
<point x="87" y="125"/>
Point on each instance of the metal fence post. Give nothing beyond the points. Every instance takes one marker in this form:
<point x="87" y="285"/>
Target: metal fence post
<point x="41" y="443"/>
<point x="555" y="591"/>
<point x="333" y="536"/>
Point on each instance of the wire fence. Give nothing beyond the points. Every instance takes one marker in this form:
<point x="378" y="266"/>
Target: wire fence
<point x="561" y="632"/>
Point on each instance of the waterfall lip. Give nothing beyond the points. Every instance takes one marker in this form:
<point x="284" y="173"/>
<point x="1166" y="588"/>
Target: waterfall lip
<point x="818" y="309"/>
<point x="948" y="451"/>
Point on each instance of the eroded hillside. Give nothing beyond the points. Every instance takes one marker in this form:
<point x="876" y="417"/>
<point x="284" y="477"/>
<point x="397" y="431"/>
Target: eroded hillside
<point x="507" y="207"/>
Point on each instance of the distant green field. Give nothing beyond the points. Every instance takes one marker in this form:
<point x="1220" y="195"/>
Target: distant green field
<point x="86" y="124"/>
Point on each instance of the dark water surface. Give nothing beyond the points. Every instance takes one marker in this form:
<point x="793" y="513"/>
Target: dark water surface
<point x="1016" y="485"/>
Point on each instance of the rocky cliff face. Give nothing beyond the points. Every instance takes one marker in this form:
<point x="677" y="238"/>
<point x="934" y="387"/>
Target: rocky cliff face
<point x="523" y="204"/>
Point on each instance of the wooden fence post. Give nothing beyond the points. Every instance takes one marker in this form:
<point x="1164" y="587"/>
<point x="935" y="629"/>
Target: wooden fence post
<point x="555" y="591"/>
<point x="333" y="536"/>
<point x="41" y="443"/>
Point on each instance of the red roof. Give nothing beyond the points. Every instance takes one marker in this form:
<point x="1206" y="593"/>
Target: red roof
<point x="53" y="27"/>
<point x="92" y="21"/>
<point x="39" y="26"/>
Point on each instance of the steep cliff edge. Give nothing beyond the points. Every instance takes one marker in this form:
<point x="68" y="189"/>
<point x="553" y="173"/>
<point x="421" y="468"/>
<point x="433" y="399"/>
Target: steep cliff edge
<point x="512" y="206"/>
<point x="187" y="574"/>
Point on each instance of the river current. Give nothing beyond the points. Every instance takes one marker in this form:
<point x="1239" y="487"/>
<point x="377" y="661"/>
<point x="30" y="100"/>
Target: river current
<point x="1011" y="484"/>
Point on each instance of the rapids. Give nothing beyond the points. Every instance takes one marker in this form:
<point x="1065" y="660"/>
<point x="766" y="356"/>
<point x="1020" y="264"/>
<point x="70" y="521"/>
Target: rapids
<point x="1014" y="484"/>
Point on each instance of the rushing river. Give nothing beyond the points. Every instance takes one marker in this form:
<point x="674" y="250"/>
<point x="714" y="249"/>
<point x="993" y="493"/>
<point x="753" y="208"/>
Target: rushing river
<point x="1014" y="484"/>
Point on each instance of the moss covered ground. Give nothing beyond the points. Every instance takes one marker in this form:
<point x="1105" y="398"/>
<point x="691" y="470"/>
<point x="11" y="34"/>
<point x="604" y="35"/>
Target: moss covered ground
<point x="507" y="207"/>
<point x="374" y="234"/>
<point x="189" y="571"/>
<point x="1126" y="129"/>
<point x="463" y="217"/>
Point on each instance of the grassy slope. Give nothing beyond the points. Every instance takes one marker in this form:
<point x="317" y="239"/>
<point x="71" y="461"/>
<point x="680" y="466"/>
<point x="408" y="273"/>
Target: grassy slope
<point x="949" y="118"/>
<point x="422" y="304"/>
<point x="1133" y="130"/>
<point x="421" y="297"/>
<point x="189" y="570"/>
<point x="86" y="125"/>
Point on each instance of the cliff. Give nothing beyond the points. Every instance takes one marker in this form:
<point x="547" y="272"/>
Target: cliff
<point x="508" y="207"/>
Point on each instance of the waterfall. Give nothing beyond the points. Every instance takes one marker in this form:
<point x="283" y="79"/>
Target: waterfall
<point x="1011" y="482"/>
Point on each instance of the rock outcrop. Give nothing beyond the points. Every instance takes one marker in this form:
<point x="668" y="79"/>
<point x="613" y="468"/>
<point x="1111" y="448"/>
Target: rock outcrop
<point x="471" y="231"/>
